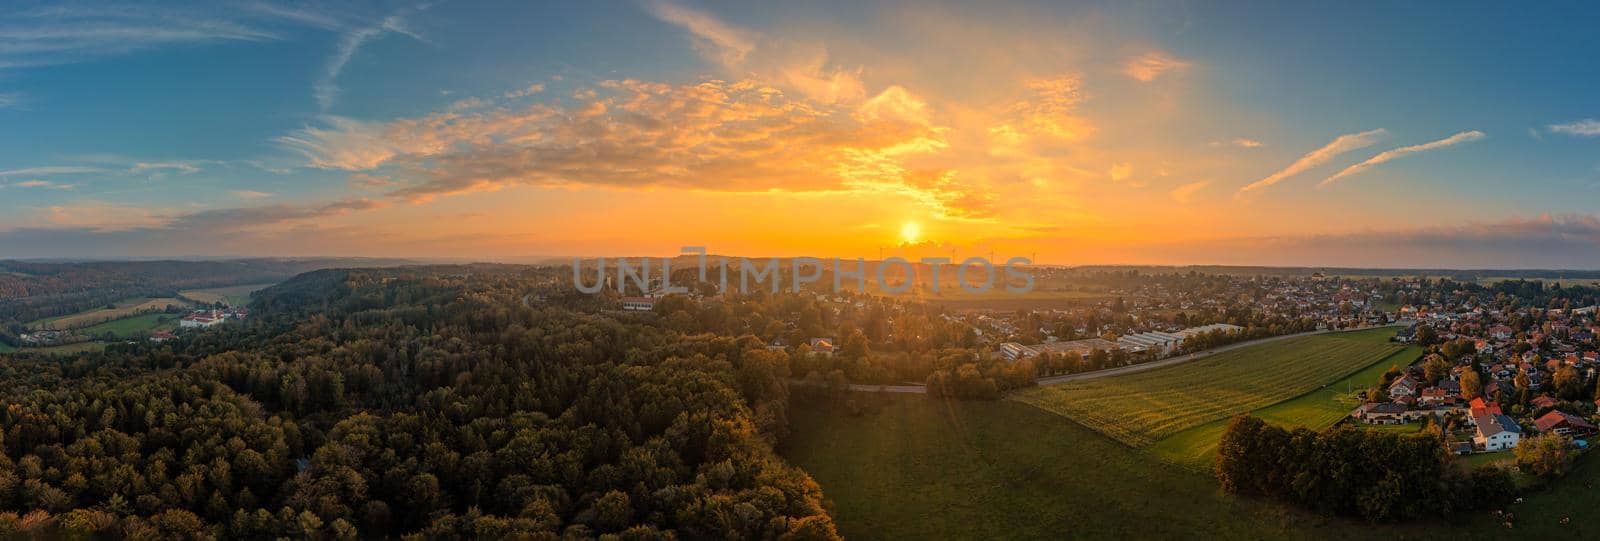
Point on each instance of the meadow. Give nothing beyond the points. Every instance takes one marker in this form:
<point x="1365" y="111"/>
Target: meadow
<point x="121" y="309"/>
<point x="231" y="296"/>
<point x="915" y="468"/>
<point x="1143" y="408"/>
<point x="1321" y="408"/>
<point x="130" y="327"/>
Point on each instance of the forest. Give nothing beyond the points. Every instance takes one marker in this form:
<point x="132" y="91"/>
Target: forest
<point x="425" y="403"/>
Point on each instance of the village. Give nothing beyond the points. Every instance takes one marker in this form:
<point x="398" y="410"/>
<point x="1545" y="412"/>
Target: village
<point x="1493" y="375"/>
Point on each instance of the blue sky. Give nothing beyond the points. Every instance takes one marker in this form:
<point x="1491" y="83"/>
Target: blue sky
<point x="1090" y="132"/>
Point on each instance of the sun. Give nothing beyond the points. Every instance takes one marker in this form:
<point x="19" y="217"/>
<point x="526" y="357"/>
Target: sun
<point x="910" y="232"/>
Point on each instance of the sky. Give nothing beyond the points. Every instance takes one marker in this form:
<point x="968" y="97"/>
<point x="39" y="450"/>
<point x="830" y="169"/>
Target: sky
<point x="1351" y="134"/>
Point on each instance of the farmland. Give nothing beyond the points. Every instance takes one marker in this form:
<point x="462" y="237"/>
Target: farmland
<point x="122" y="309"/>
<point x="1320" y="408"/>
<point x="921" y="469"/>
<point x="231" y="296"/>
<point x="130" y="327"/>
<point x="1143" y="408"/>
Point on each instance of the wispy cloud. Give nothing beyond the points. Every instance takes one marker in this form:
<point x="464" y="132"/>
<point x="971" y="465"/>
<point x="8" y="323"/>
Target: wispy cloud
<point x="251" y="194"/>
<point x="1463" y="137"/>
<point x="51" y="170"/>
<point x="326" y="89"/>
<point x="1583" y="128"/>
<point x="1342" y="144"/>
<point x="37" y="183"/>
<point x="1152" y="65"/>
<point x="1242" y="142"/>
<point x="714" y="39"/>
<point x="1184" y="193"/>
<point x="9" y="100"/>
<point x="70" y="33"/>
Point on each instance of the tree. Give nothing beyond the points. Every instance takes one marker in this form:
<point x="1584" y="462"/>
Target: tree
<point x="1435" y="368"/>
<point x="1471" y="385"/>
<point x="1569" y="384"/>
<point x="1546" y="456"/>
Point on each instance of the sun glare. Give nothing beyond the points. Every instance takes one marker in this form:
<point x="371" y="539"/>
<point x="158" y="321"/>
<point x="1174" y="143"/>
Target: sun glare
<point x="910" y="232"/>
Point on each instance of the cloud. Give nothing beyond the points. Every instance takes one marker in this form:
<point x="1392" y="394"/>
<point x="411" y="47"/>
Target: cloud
<point x="109" y="229"/>
<point x="1152" y="65"/>
<point x="10" y="100"/>
<point x="160" y="168"/>
<point x="1342" y="144"/>
<point x="1543" y="242"/>
<point x="51" y="170"/>
<point x="1050" y="113"/>
<point x="1120" y="172"/>
<point x="326" y="88"/>
<point x="1184" y="193"/>
<point x="1582" y="128"/>
<point x="1246" y="143"/>
<point x="525" y="92"/>
<point x="68" y="33"/>
<point x="348" y="144"/>
<point x="251" y="194"/>
<point x="1463" y="137"/>
<point x="366" y="181"/>
<point x="36" y="183"/>
<point x="713" y="39"/>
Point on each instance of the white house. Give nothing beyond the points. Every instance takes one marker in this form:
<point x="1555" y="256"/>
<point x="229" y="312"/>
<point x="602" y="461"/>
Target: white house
<point x="1496" y="432"/>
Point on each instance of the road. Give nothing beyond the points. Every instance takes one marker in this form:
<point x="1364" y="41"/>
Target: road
<point x="1057" y="380"/>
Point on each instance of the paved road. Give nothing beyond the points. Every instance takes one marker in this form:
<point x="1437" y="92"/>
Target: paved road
<point x="1057" y="380"/>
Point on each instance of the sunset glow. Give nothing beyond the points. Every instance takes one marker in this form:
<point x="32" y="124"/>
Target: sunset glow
<point x="1086" y="134"/>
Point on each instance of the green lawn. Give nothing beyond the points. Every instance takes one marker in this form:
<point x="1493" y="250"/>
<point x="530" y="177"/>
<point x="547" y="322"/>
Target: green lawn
<point x="134" y="326"/>
<point x="922" y="469"/>
<point x="1318" y="409"/>
<point x="1143" y="408"/>
<point x="7" y="348"/>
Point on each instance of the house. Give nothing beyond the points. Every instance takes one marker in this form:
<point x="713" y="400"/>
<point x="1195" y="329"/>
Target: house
<point x="822" y="345"/>
<point x="161" y="336"/>
<point x="201" y="319"/>
<point x="639" y="304"/>
<point x="1433" y="396"/>
<point x="1381" y="413"/>
<point x="1461" y="447"/>
<point x="1543" y="402"/>
<point x="1496" y="432"/>
<point x="1450" y="388"/>
<point x="1404" y="386"/>
<point x="1500" y="332"/>
<point x="1479" y="408"/>
<point x="1564" y="423"/>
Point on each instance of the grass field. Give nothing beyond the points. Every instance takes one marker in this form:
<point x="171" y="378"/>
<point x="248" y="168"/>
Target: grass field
<point x="1318" y="409"/>
<point x="7" y="348"/>
<point x="1143" y="408"/>
<point x="232" y="296"/>
<point x="97" y="316"/>
<point x="130" y="327"/>
<point x="923" y="469"/>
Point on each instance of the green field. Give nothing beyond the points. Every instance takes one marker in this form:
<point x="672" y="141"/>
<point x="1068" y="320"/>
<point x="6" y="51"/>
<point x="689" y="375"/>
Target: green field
<point x="122" y="309"/>
<point x="1143" y="408"/>
<point x="133" y="326"/>
<point x="922" y="469"/>
<point x="1318" y="409"/>
<point x="7" y="348"/>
